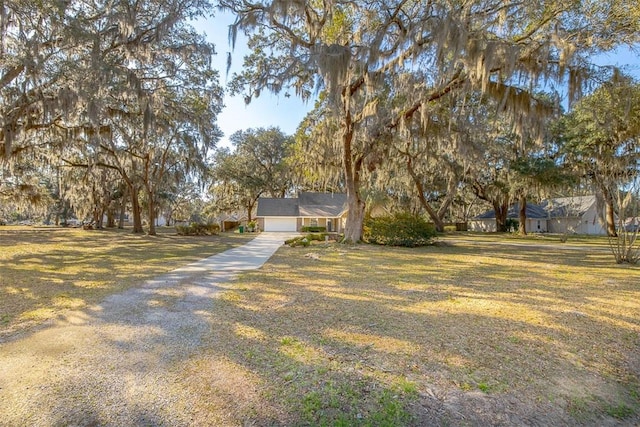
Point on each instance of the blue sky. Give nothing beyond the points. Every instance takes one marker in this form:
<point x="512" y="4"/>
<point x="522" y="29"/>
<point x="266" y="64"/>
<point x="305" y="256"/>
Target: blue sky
<point x="265" y="111"/>
<point x="621" y="57"/>
<point x="286" y="113"/>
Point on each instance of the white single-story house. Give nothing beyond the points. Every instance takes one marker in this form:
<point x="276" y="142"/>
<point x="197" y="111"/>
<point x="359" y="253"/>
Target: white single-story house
<point x="575" y="215"/>
<point x="326" y="210"/>
<point x="536" y="219"/>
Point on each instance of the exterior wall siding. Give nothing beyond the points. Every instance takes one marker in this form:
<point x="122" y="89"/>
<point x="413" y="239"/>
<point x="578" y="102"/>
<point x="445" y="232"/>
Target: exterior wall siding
<point x="483" y="225"/>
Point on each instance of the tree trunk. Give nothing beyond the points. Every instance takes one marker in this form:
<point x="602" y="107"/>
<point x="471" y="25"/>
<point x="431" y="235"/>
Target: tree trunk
<point x="94" y="217"/>
<point x="98" y="218"/>
<point x="522" y="216"/>
<point x="250" y="206"/>
<point x="500" y="205"/>
<point x="123" y="208"/>
<point x="502" y="209"/>
<point x="56" y="220"/>
<point x="355" y="215"/>
<point x="452" y="189"/>
<point x="610" y="214"/>
<point x="95" y="212"/>
<point x="437" y="221"/>
<point x="423" y="201"/>
<point x="111" y="217"/>
<point x="152" y="215"/>
<point x="136" y="211"/>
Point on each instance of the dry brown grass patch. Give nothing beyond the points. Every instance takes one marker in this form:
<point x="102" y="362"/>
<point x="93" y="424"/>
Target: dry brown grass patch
<point x="46" y="271"/>
<point x="370" y="335"/>
<point x="493" y="331"/>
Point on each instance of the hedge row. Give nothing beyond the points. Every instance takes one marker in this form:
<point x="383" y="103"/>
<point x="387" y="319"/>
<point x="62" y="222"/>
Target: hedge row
<point x="305" y="240"/>
<point x="197" y="229"/>
<point x="314" y="229"/>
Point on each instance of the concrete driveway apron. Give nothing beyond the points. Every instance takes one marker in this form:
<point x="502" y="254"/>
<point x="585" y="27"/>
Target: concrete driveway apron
<point x="247" y="257"/>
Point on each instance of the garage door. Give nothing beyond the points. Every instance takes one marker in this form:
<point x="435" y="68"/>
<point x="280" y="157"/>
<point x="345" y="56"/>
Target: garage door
<point x="280" y="224"/>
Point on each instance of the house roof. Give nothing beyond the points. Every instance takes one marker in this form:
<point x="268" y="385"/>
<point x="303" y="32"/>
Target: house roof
<point x="533" y="211"/>
<point x="231" y="216"/>
<point x="317" y="205"/>
<point x="322" y="204"/>
<point x="568" y="206"/>
<point x="277" y="207"/>
<point x="553" y="208"/>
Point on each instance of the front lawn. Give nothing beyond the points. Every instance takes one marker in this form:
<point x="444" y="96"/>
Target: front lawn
<point x="465" y="333"/>
<point x="477" y="330"/>
<point x="44" y="271"/>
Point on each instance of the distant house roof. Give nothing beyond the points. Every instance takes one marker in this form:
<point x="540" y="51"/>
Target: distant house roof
<point x="317" y="205"/>
<point x="533" y="211"/>
<point x="553" y="208"/>
<point x="231" y="216"/>
<point x="568" y="206"/>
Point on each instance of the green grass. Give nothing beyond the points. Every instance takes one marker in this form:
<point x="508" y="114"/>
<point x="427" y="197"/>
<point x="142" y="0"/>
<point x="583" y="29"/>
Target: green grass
<point x="620" y="412"/>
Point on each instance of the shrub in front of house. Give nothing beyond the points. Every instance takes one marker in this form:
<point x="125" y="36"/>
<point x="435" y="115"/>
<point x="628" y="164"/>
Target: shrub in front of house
<point x="298" y="241"/>
<point x="512" y="225"/>
<point x="317" y="236"/>
<point x="401" y="229"/>
<point x="198" y="229"/>
<point x="313" y="229"/>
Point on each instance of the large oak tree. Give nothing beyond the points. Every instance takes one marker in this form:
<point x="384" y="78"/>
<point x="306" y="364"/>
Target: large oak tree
<point x="109" y="84"/>
<point x="355" y="50"/>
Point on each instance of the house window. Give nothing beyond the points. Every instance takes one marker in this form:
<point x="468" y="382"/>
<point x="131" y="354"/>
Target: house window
<point x="313" y="222"/>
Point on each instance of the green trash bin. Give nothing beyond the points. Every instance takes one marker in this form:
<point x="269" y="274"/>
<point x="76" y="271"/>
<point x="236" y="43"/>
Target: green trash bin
<point x="241" y="229"/>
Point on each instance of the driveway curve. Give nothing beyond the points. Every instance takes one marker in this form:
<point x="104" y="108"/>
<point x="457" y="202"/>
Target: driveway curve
<point x="117" y="363"/>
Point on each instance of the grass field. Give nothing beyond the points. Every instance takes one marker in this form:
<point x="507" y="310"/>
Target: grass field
<point x="487" y="330"/>
<point x="44" y="271"/>
<point x="478" y="332"/>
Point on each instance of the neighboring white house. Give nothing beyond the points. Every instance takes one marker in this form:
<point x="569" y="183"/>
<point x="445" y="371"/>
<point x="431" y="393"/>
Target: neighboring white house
<point x="575" y="215"/>
<point x="536" y="219"/>
<point x="326" y="210"/>
<point x="160" y="220"/>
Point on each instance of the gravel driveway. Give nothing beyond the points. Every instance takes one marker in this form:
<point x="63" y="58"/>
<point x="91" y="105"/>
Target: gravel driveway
<point x="115" y="363"/>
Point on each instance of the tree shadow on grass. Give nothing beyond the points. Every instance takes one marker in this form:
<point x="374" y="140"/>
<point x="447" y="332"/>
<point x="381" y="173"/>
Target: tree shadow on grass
<point x="113" y="364"/>
<point x="44" y="273"/>
<point x="357" y="337"/>
<point x="505" y="353"/>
